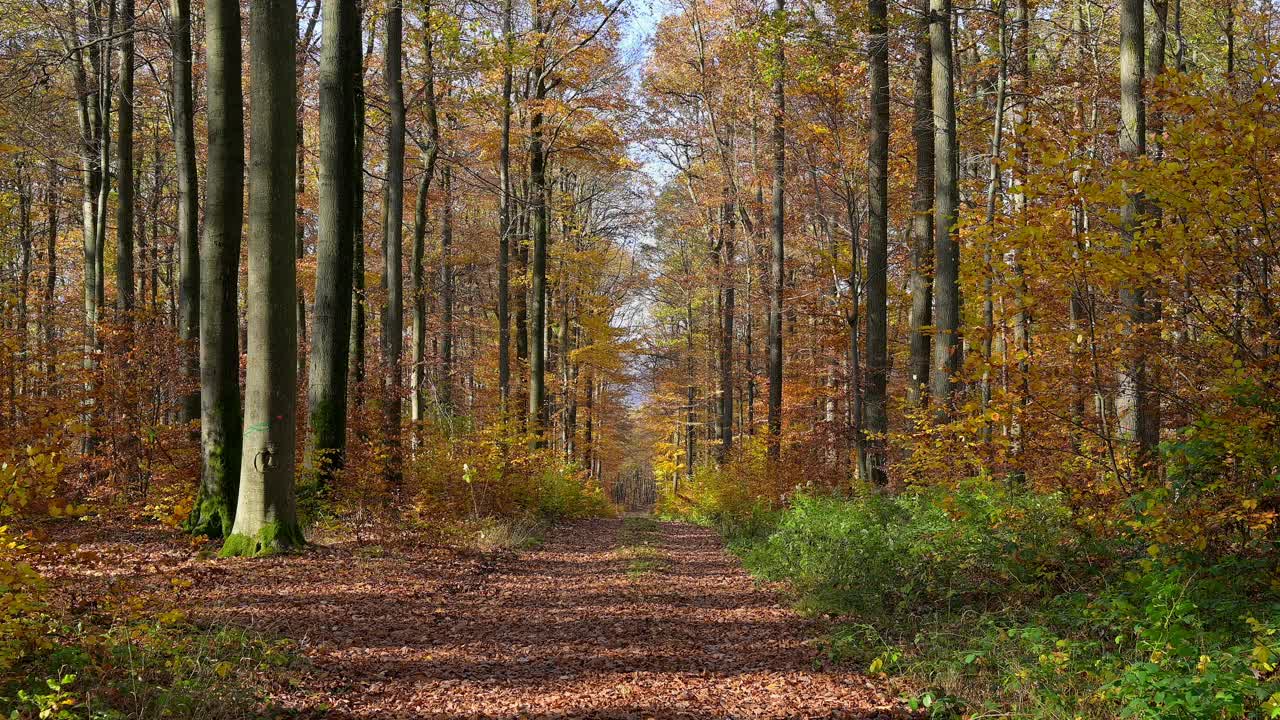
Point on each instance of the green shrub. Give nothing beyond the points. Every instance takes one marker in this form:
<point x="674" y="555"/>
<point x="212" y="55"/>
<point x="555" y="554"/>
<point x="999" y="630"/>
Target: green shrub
<point x="162" y="667"/>
<point x="985" y="600"/>
<point x="563" y="495"/>
<point x="882" y="554"/>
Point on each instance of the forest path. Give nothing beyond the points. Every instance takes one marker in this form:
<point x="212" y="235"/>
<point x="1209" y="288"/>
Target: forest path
<point x="606" y="619"/>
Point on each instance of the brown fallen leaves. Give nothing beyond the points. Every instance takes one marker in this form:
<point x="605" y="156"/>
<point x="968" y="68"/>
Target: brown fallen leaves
<point x="556" y="632"/>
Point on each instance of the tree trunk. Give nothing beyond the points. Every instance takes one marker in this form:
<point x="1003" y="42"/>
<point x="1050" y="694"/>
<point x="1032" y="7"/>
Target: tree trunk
<point x="357" y="230"/>
<point x="921" y="280"/>
<point x="188" y="218"/>
<point x="303" y="51"/>
<point x="417" y="396"/>
<point x="124" y="170"/>
<point x="104" y="156"/>
<point x="948" y="353"/>
<point x="393" y="233"/>
<point x="538" y="299"/>
<point x="877" y="418"/>
<point x="266" y="519"/>
<point x="993" y="194"/>
<point x="51" y="276"/>
<point x="331" y="326"/>
<point x="1136" y="404"/>
<point x="220" y="438"/>
<point x="504" y="216"/>
<point x="777" y="261"/>
<point x="446" y="291"/>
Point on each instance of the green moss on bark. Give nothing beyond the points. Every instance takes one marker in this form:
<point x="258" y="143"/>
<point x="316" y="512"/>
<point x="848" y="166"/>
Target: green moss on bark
<point x="211" y="516"/>
<point x="214" y="511"/>
<point x="273" y="538"/>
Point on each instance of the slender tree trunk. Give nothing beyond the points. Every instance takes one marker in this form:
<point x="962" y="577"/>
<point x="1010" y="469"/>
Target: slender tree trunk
<point x="446" y="290"/>
<point x="1137" y="409"/>
<point x="303" y="50"/>
<point x="504" y="215"/>
<point x="105" y="94"/>
<point x="188" y="218"/>
<point x="124" y="172"/>
<point x="331" y="327"/>
<point x="728" y="266"/>
<point x="777" y="261"/>
<point x="948" y="352"/>
<point x="26" y="238"/>
<point x="521" y="296"/>
<point x="1019" y="82"/>
<point x="51" y="277"/>
<point x="854" y="319"/>
<point x="877" y="418"/>
<point x="266" y="519"/>
<point x="418" y="359"/>
<point x="921" y="280"/>
<point x="538" y="301"/>
<point x="691" y="391"/>
<point x="220" y="439"/>
<point x="357" y="348"/>
<point x="417" y="392"/>
<point x="393" y="207"/>
<point x="88" y="115"/>
<point x="993" y="195"/>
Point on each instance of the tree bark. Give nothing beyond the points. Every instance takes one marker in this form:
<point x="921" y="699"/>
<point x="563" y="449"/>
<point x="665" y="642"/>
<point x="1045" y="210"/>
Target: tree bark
<point x="220" y="440"/>
<point x="921" y="279"/>
<point x="417" y="378"/>
<point x="947" y="349"/>
<point x="538" y="299"/>
<point x="393" y="233"/>
<point x="357" y="349"/>
<point x="124" y="167"/>
<point x="446" y="291"/>
<point x="504" y="215"/>
<point x="1136" y="404"/>
<point x="188" y="217"/>
<point x="331" y="326"/>
<point x="777" y="259"/>
<point x="51" y="276"/>
<point x="266" y="519"/>
<point x="877" y="419"/>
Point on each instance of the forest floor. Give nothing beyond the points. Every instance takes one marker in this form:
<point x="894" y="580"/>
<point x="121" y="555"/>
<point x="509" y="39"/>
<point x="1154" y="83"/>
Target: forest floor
<point x="604" y="619"/>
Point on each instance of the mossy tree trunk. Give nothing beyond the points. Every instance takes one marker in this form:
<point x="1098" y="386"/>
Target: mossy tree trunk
<point x="220" y="441"/>
<point x="266" y="519"/>
<point x="331" y="331"/>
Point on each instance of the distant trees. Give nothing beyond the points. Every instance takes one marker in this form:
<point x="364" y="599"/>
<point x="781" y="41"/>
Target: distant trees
<point x="800" y="234"/>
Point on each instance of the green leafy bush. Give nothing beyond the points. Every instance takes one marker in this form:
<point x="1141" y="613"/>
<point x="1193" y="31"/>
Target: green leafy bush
<point x="986" y="600"/>
<point x="563" y="495"/>
<point x="879" y="554"/>
<point x="161" y="667"/>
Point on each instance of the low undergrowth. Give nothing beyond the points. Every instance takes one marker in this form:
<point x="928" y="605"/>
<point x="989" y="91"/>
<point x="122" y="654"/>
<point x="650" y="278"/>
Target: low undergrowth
<point x="161" y="667"/>
<point x="991" y="600"/>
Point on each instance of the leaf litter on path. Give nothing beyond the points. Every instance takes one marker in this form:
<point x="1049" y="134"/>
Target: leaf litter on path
<point x="559" y="631"/>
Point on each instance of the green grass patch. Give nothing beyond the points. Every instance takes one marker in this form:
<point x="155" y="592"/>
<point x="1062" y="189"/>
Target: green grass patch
<point x="639" y="542"/>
